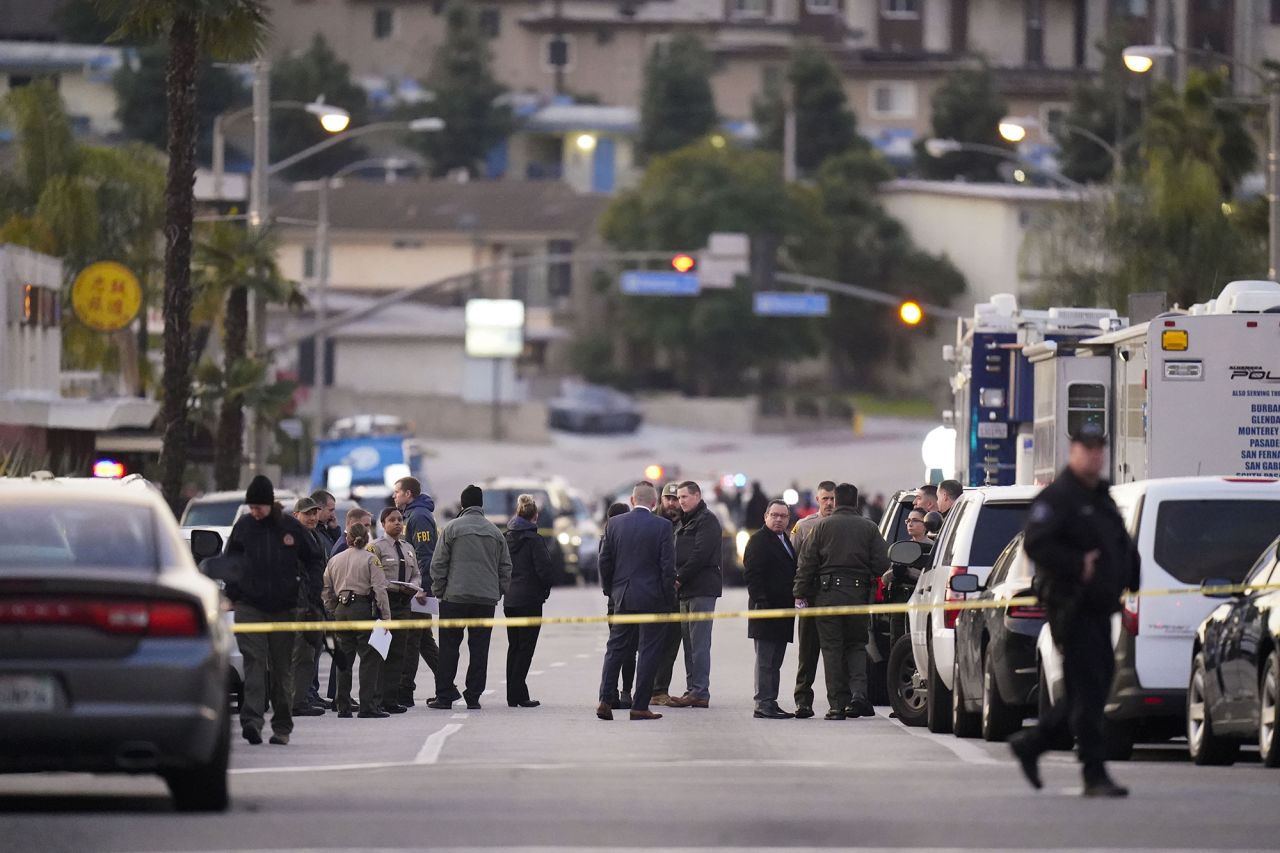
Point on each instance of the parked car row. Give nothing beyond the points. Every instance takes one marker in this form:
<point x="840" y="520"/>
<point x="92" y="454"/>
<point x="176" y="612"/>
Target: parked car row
<point x="1199" y="662"/>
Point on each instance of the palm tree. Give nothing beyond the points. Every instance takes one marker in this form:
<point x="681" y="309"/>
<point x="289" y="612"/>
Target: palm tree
<point x="194" y="29"/>
<point x="232" y="264"/>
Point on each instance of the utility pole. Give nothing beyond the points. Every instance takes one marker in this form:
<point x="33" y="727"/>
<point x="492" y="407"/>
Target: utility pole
<point x="789" y="171"/>
<point x="255" y="445"/>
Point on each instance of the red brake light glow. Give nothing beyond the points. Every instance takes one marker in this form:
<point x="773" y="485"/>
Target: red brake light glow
<point x="949" y="616"/>
<point x="110" y="616"/>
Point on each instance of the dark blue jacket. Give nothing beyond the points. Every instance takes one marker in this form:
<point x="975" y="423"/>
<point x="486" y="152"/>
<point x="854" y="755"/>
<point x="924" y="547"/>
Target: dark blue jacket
<point x="532" y="574"/>
<point x="638" y="563"/>
<point x="420" y="528"/>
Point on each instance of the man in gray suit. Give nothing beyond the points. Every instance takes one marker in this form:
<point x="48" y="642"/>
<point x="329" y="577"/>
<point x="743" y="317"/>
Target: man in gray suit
<point x="638" y="573"/>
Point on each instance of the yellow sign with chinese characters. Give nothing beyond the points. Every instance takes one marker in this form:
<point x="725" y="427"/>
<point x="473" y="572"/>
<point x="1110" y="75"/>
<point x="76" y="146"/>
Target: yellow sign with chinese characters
<point x="106" y="296"/>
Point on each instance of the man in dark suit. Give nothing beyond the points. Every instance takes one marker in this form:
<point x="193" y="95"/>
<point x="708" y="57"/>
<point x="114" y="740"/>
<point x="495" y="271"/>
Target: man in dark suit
<point x="769" y="564"/>
<point x="638" y="573"/>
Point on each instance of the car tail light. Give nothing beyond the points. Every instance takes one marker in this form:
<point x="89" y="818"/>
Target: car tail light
<point x="1024" y="611"/>
<point x="879" y="597"/>
<point x="111" y="616"/>
<point x="1129" y="615"/>
<point x="949" y="617"/>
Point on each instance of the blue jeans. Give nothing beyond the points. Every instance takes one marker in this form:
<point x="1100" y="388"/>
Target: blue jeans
<point x="697" y="646"/>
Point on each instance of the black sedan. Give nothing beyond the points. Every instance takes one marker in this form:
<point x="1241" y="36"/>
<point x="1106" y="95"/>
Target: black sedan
<point x="593" y="408"/>
<point x="1235" y="670"/>
<point x="996" y="673"/>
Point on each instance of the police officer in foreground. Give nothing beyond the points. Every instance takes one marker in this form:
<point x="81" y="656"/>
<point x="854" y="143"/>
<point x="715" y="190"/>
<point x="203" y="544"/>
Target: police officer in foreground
<point x="355" y="590"/>
<point x="1084" y="560"/>
<point x="837" y="565"/>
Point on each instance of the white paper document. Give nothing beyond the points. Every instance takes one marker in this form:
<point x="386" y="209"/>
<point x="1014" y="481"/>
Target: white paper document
<point x="380" y="640"/>
<point x="431" y="606"/>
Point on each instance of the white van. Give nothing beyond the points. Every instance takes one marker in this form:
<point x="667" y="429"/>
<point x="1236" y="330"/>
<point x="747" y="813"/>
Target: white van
<point x="982" y="522"/>
<point x="1188" y="530"/>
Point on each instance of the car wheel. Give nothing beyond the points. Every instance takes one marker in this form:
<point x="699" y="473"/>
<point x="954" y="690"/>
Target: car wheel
<point x="1268" y="704"/>
<point x="999" y="719"/>
<point x="964" y="723"/>
<point x="906" y="688"/>
<point x="938" y="698"/>
<point x="203" y="787"/>
<point x="1044" y="707"/>
<point x="1206" y="747"/>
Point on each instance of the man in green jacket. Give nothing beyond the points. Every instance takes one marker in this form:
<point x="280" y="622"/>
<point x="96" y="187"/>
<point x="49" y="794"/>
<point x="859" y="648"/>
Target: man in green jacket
<point x="837" y="566"/>
<point x="470" y="571"/>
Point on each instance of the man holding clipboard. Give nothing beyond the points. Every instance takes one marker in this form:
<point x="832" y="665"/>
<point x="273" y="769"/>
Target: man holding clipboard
<point x="404" y="584"/>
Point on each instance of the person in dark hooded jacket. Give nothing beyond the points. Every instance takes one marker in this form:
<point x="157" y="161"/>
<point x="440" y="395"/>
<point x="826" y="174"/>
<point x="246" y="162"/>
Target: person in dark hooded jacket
<point x="532" y="576"/>
<point x="420" y="532"/>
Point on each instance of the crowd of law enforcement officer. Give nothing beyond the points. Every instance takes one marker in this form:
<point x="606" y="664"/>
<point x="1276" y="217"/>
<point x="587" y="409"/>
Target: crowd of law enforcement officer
<point x="276" y="553"/>
<point x="807" y="647"/>
<point x="355" y="588"/>
<point x="1084" y="560"/>
<point x="404" y="582"/>
<point x="837" y="566"/>
<point x="417" y="508"/>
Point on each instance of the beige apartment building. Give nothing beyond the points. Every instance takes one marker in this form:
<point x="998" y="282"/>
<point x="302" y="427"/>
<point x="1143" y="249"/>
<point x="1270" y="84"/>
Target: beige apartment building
<point x="894" y="53"/>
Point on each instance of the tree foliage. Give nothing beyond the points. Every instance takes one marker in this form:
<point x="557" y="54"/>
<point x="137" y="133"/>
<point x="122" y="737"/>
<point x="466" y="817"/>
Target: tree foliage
<point x="193" y="30"/>
<point x="467" y="98"/>
<point x="1173" y="225"/>
<point x="825" y="125"/>
<point x="1105" y="107"/>
<point x="713" y="342"/>
<point x="142" y="108"/>
<point x="677" y="106"/>
<point x="966" y="108"/>
<point x="316" y="72"/>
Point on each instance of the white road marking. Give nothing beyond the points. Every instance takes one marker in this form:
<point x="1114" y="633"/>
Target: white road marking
<point x="558" y="663"/>
<point x="489" y="692"/>
<point x="967" y="752"/>
<point x="582" y="657"/>
<point x="460" y="716"/>
<point x="323" y="768"/>
<point x="536" y="672"/>
<point x="430" y="752"/>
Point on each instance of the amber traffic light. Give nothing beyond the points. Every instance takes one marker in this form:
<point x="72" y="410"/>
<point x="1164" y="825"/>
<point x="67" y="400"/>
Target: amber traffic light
<point x="910" y="313"/>
<point x="684" y="263"/>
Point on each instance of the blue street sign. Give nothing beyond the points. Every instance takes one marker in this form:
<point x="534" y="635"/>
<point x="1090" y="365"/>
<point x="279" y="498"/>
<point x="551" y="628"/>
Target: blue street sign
<point x="658" y="283"/>
<point x="782" y="304"/>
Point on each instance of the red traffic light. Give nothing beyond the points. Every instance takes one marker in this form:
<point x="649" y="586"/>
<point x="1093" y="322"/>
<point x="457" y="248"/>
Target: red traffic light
<point x="684" y="263"/>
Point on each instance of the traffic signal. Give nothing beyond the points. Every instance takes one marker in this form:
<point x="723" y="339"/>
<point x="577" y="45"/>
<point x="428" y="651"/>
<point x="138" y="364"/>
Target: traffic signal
<point x="684" y="263"/>
<point x="910" y="313"/>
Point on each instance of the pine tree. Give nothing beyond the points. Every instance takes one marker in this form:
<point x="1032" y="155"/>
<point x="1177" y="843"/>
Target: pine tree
<point x="676" y="106"/>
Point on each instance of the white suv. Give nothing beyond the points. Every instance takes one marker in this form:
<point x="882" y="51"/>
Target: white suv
<point x="979" y="526"/>
<point x="1188" y="530"/>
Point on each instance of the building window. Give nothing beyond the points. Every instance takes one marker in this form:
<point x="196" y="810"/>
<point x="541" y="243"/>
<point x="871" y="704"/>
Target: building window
<point x="490" y="21"/>
<point x="384" y="23"/>
<point x="557" y="52"/>
<point x="906" y="9"/>
<point x="748" y="8"/>
<point x="1139" y="8"/>
<point x="772" y="78"/>
<point x="559" y="273"/>
<point x="820" y="7"/>
<point x="1035" y="31"/>
<point x="1275" y="11"/>
<point x="308" y="262"/>
<point x="893" y="100"/>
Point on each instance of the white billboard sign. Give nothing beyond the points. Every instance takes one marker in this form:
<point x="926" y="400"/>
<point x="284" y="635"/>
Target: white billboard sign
<point x="495" y="328"/>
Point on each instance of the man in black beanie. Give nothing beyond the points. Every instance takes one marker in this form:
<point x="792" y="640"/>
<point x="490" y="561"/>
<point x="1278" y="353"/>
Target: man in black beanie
<point x="470" y="571"/>
<point x="277" y="551"/>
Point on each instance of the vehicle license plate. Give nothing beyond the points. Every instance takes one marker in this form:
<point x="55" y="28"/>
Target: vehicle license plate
<point x="24" y="694"/>
<point x="989" y="430"/>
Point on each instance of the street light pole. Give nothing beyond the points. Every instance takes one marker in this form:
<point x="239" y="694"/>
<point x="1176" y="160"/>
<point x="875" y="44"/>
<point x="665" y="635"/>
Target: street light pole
<point x="254" y="439"/>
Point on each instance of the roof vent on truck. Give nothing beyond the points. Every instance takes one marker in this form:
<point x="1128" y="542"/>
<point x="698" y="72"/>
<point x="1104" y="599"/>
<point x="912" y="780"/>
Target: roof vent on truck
<point x="1245" y="297"/>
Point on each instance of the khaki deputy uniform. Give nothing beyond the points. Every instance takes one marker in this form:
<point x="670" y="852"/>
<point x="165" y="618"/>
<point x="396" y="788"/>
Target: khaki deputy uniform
<point x="837" y="565"/>
<point x="398" y="564"/>
<point x="353" y="581"/>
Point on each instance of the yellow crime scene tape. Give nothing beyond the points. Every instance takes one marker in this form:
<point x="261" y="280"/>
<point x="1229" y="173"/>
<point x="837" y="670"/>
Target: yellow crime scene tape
<point x="656" y="618"/>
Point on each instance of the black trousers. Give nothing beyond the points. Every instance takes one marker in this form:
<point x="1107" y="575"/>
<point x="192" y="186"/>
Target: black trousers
<point x="421" y="643"/>
<point x="624" y="641"/>
<point x="629" y="669"/>
<point x="1088" y="664"/>
<point x="672" y="634"/>
<point x="397" y="656"/>
<point x="451" y="649"/>
<point x="521" y="643"/>
<point x="807" y="651"/>
<point x="355" y="644"/>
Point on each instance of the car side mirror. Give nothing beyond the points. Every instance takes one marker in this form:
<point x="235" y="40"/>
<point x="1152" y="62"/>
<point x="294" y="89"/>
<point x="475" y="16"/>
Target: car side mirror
<point x="965" y="583"/>
<point x="905" y="552"/>
<point x="933" y="521"/>
<point x="1218" y="588"/>
<point x="205" y="544"/>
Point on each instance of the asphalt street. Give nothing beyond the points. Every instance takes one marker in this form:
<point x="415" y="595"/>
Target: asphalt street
<point x="555" y="776"/>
